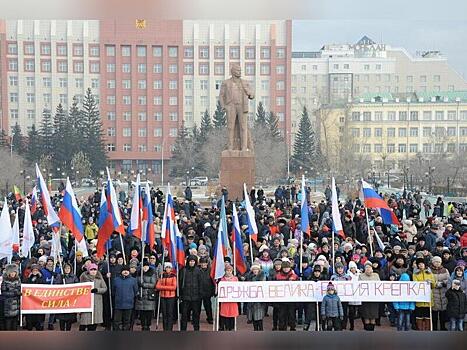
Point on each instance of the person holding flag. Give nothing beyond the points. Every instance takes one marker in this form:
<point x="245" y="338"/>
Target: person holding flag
<point x="336" y="221"/>
<point x="252" y="228"/>
<point x="239" y="262"/>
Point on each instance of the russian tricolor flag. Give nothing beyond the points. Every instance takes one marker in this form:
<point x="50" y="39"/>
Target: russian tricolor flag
<point x="52" y="218"/>
<point x="114" y="209"/>
<point x="70" y="214"/>
<point x="336" y="215"/>
<point x="252" y="229"/>
<point x="218" y="263"/>
<point x="135" y="219"/>
<point x="373" y="200"/>
<point x="238" y="256"/>
<point x="148" y="220"/>
<point x="106" y="224"/>
<point x="305" y="222"/>
<point x="33" y="200"/>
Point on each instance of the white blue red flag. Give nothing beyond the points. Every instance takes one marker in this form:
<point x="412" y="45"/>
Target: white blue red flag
<point x="252" y="229"/>
<point x="52" y="218"/>
<point x="135" y="219"/>
<point x="28" y="232"/>
<point x="222" y="248"/>
<point x="70" y="214"/>
<point x="148" y="220"/>
<point x="238" y="256"/>
<point x="373" y="200"/>
<point x="305" y="221"/>
<point x="336" y="215"/>
<point x="6" y="237"/>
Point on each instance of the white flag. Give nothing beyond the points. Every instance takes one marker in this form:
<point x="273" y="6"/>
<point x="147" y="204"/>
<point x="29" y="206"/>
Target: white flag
<point x="28" y="232"/>
<point x="6" y="238"/>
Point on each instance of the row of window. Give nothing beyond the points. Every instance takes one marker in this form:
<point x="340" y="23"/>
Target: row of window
<point x="47" y="82"/>
<point x="142" y="132"/>
<point x="203" y="51"/>
<point x="403" y="115"/>
<point x="142" y="116"/>
<point x="47" y="98"/>
<point x="46" y="66"/>
<point x="142" y="100"/>
<point x="412" y="132"/>
<point x="413" y="148"/>
<point x="61" y="49"/>
<point x="141" y="147"/>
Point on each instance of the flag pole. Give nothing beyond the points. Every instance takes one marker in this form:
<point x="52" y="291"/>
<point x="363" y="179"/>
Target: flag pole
<point x="333" y="253"/>
<point x="123" y="248"/>
<point x="74" y="263"/>
<point x="142" y="258"/>
<point x="178" y="303"/>
<point x="217" y="313"/>
<point x="235" y="271"/>
<point x="301" y="253"/>
<point x="110" y="283"/>
<point x="370" y="241"/>
<point x="251" y="249"/>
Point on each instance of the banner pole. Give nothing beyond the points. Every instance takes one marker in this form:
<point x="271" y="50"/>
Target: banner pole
<point x="301" y="254"/>
<point x="141" y="266"/>
<point x="251" y="249"/>
<point x="110" y="284"/>
<point x="431" y="317"/>
<point x="217" y="314"/>
<point x="370" y="241"/>
<point x="178" y="302"/>
<point x="74" y="263"/>
<point x="123" y="248"/>
<point x="317" y="317"/>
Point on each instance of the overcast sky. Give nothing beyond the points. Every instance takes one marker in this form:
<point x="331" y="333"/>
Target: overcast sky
<point x="450" y="37"/>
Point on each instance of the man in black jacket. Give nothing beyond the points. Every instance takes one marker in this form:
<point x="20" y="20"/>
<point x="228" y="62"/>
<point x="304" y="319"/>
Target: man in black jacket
<point x="190" y="292"/>
<point x="207" y="288"/>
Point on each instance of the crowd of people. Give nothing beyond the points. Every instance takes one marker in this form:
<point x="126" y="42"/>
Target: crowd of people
<point x="133" y="288"/>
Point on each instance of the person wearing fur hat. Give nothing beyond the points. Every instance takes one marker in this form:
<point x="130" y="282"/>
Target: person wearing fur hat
<point x="422" y="309"/>
<point x="66" y="320"/>
<point x="256" y="311"/>
<point x="190" y="293"/>
<point x="441" y="275"/>
<point x="457" y="306"/>
<point x="145" y="302"/>
<point x="228" y="311"/>
<point x="340" y="275"/>
<point x="369" y="310"/>
<point x="11" y="293"/>
<point x="35" y="321"/>
<point x="208" y="288"/>
<point x="125" y="289"/>
<point x="88" y="321"/>
<point x="286" y="310"/>
<point x="167" y="287"/>
<point x="331" y="309"/>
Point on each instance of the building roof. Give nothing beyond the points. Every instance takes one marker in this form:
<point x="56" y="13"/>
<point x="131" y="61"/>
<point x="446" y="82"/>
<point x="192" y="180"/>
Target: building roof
<point x="414" y="97"/>
<point x="306" y="54"/>
<point x="365" y="41"/>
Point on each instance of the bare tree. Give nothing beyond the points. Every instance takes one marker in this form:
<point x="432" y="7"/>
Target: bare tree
<point x="10" y="171"/>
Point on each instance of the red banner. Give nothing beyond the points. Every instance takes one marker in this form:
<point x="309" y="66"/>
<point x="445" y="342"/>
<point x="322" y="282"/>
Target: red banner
<point x="57" y="299"/>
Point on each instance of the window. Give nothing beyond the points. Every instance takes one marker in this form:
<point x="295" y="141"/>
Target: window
<point x="235" y="52"/>
<point x="355" y="116"/>
<point x="463" y="131"/>
<point x="204" y="68"/>
<point x="126" y="68"/>
<point x="451" y="131"/>
<point x="391" y="132"/>
<point x="189" y="84"/>
<point x="111" y="100"/>
<point x="46" y="66"/>
<point x="111" y="115"/>
<point x="378" y="132"/>
<point x="173" y="51"/>
<point x="157" y="84"/>
<point x="463" y="115"/>
<point x="142" y="84"/>
<point x="451" y="115"/>
<point x="204" y="52"/>
<point x="427" y="115"/>
<point x="30" y="81"/>
<point x="13" y="113"/>
<point x="402" y="132"/>
<point x="250" y="53"/>
<point x="31" y="113"/>
<point x="414" y="115"/>
<point x="78" y="50"/>
<point x="188" y="68"/>
<point x="451" y="148"/>
<point x="219" y="69"/>
<point x="355" y="132"/>
<point x="157" y="148"/>
<point x="173" y="132"/>
<point x="366" y="148"/>
<point x="30" y="97"/>
<point x="94" y="67"/>
<point x="158" y="132"/>
<point x="126" y="50"/>
<point x="413" y="132"/>
<point x="13" y="65"/>
<point x="378" y="116"/>
<point x="366" y="67"/>
<point x="94" y="50"/>
<point x="439" y="148"/>
<point x="204" y="101"/>
<point x="111" y="131"/>
<point x="391" y="148"/>
<point x="436" y="78"/>
<point x="173" y="84"/>
<point x="126" y="147"/>
<point x="426" y="132"/>
<point x="188" y="100"/>
<point x="402" y="148"/>
<point x="440" y="131"/>
<point x="402" y="115"/>
<point x="366" y="132"/>
<point x="127" y="116"/>
<point x="126" y="100"/>
<point x="249" y="69"/>
<point x="413" y="148"/>
<point x="378" y="67"/>
<point x="378" y="148"/>
<point x="141" y="51"/>
<point x="13" y="80"/>
<point x="356" y="148"/>
<point x="63" y="82"/>
<point x="280" y="85"/>
<point x="61" y="50"/>
<point x="142" y="117"/>
<point x="110" y="67"/>
<point x="158" y="116"/>
<point x="188" y="52"/>
<point x="366" y="116"/>
<point x="409" y="78"/>
<point x="427" y="148"/>
<point x="142" y="100"/>
<point x="157" y="100"/>
<point x="47" y="98"/>
<point x="439" y="115"/>
<point x="126" y="132"/>
<point x="173" y="116"/>
<point x="280" y="101"/>
<point x="29" y="65"/>
<point x="219" y="52"/>
<point x="110" y="147"/>
<point x="173" y="68"/>
<point x="280" y="69"/>
<point x="78" y="67"/>
<point x="12" y="49"/>
<point x="141" y="67"/>
<point x="110" y="50"/>
<point x="157" y="51"/>
<point x="335" y="66"/>
<point x="280" y="52"/>
<point x="29" y="48"/>
<point x="204" y="84"/>
<point x="142" y="132"/>
<point x="126" y="84"/>
<point x="265" y="69"/>
<point x="173" y="100"/>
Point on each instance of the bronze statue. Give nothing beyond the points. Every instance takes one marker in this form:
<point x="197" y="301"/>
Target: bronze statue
<point x="233" y="98"/>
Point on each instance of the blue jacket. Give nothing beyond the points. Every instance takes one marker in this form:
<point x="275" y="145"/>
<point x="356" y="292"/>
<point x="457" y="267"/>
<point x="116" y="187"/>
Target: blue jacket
<point x="331" y="306"/>
<point x="125" y="290"/>
<point x="404" y="305"/>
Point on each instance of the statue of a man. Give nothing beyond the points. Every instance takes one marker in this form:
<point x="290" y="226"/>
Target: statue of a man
<point x="233" y="98"/>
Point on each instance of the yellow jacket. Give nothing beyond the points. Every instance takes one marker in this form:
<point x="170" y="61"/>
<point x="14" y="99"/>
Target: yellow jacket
<point x="91" y="231"/>
<point x="423" y="276"/>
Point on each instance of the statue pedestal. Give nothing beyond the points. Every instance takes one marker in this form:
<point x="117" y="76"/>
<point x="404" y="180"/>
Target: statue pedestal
<point x="237" y="167"/>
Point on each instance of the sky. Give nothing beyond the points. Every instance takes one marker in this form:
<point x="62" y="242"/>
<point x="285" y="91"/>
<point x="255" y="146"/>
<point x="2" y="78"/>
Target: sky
<point x="449" y="37"/>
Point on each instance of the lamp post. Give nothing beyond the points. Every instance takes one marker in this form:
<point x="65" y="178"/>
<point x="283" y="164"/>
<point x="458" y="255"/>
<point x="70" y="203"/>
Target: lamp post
<point x="11" y="144"/>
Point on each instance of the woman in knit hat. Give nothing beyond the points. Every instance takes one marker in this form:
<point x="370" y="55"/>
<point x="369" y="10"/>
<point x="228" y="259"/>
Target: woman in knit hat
<point x="228" y="311"/>
<point x="369" y="310"/>
<point x="441" y="275"/>
<point x="256" y="311"/>
<point x="422" y="309"/>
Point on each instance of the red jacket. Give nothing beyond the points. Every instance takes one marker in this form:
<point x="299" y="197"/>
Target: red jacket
<point x="167" y="285"/>
<point x="229" y="309"/>
<point x="464" y="240"/>
<point x="290" y="276"/>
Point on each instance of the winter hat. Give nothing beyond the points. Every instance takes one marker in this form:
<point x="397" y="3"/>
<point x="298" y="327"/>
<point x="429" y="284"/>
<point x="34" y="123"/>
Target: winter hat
<point x="436" y="259"/>
<point x="352" y="265"/>
<point x="145" y="262"/>
<point x="419" y="261"/>
<point x="203" y="260"/>
<point x="35" y="267"/>
<point x="228" y="267"/>
<point x="11" y="268"/>
<point x="192" y="246"/>
<point x="277" y="261"/>
<point x="42" y="259"/>
<point x="355" y="257"/>
<point x="191" y="258"/>
<point x="348" y="245"/>
<point x="167" y="264"/>
<point x="263" y="248"/>
<point x="256" y="266"/>
<point x="317" y="268"/>
<point x="330" y="286"/>
<point x="368" y="262"/>
<point x="456" y="282"/>
<point x="339" y="265"/>
<point x="125" y="268"/>
<point x="285" y="264"/>
<point x="92" y="267"/>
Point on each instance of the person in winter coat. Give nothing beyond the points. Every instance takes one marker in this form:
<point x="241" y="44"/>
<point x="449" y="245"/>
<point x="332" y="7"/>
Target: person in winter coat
<point x="404" y="309"/>
<point x="354" y="273"/>
<point x="459" y="275"/>
<point x="312" y="308"/>
<point x="228" y="311"/>
<point x="11" y="293"/>
<point x="125" y="290"/>
<point x="286" y="310"/>
<point x="167" y="287"/>
<point x="66" y="320"/>
<point x="277" y="263"/>
<point x="265" y="260"/>
<point x="331" y="309"/>
<point x="305" y="274"/>
<point x="441" y="276"/>
<point x="207" y="288"/>
<point x="457" y="306"/>
<point x="87" y="321"/>
<point x="190" y="292"/>
<point x="340" y="275"/>
<point x="36" y="320"/>
<point x="145" y="302"/>
<point x="369" y="310"/>
<point x="422" y="309"/>
<point x="256" y="311"/>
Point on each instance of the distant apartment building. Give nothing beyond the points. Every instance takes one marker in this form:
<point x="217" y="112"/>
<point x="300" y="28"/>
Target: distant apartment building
<point x="388" y="129"/>
<point x="339" y="72"/>
<point x="44" y="63"/>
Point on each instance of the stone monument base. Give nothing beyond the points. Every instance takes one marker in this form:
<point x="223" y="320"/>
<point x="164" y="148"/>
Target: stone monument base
<point x="237" y="167"/>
